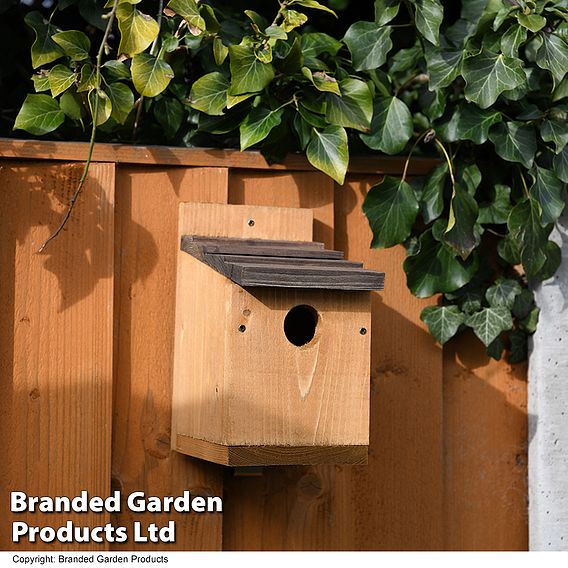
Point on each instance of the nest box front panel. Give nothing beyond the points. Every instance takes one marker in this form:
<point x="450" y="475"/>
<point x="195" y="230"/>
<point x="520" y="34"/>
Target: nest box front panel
<point x="297" y="367"/>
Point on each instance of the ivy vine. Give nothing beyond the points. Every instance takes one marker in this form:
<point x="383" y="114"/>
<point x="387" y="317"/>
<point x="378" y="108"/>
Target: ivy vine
<point x="485" y="91"/>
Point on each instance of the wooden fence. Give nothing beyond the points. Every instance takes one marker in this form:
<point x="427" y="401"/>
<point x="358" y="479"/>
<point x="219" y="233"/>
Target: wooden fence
<point x="86" y="339"/>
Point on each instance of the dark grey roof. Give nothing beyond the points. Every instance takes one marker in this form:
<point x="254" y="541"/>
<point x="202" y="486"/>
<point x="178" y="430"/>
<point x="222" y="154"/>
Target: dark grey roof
<point x="283" y="264"/>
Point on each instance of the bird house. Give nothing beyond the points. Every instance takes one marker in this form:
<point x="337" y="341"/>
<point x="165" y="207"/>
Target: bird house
<point x="272" y="343"/>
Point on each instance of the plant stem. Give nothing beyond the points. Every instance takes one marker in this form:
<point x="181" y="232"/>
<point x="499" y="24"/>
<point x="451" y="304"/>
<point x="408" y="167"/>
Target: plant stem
<point x="416" y="142"/>
<point x="99" y="59"/>
<point x="448" y="160"/>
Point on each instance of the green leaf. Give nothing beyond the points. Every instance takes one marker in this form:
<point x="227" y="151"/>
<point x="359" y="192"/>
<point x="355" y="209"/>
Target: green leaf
<point x="303" y="130"/>
<point x="435" y="268"/>
<point x="498" y="211"/>
<point x="72" y="105"/>
<point x="560" y="163"/>
<point x="391" y="126"/>
<point x="74" y="44"/>
<point x="525" y="228"/>
<point x="489" y="323"/>
<point x="443" y="321"/>
<point x="433" y="103"/>
<point x="495" y="348"/>
<point x="328" y="152"/>
<point x="523" y="304"/>
<point x="488" y="74"/>
<point x="530" y="322"/>
<point x="428" y="17"/>
<point x="503" y="293"/>
<point x="385" y="11"/>
<point x="515" y="142"/>
<point x="555" y="131"/>
<point x="116" y="71"/>
<point x="293" y="19"/>
<point x="315" y="44"/>
<point x="39" y="115"/>
<point x="512" y="39"/>
<point x="169" y="113"/>
<point x="122" y="101"/>
<point x="258" y="124"/>
<point x="44" y="49"/>
<point x="405" y="59"/>
<point x="369" y="44"/>
<point x="189" y="11"/>
<point x="432" y="198"/>
<point x="209" y="93"/>
<point x="460" y="232"/>
<point x="60" y="79"/>
<point x="220" y="51"/>
<point x="391" y="208"/>
<point x="41" y="81"/>
<point x="519" y="347"/>
<point x="443" y="65"/>
<point x="473" y="123"/>
<point x="150" y="75"/>
<point x="137" y="30"/>
<point x="553" y="258"/>
<point x="553" y="55"/>
<point x="314" y="5"/>
<point x="87" y="79"/>
<point x="100" y="105"/>
<point x="547" y="190"/>
<point x="354" y="108"/>
<point x="322" y="81"/>
<point x="248" y="74"/>
<point x="532" y="22"/>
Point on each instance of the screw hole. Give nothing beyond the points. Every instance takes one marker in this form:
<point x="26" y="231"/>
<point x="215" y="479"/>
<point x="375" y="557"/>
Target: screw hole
<point x="300" y="325"/>
<point x="251" y="222"/>
<point x="363" y="331"/>
<point x="242" y="328"/>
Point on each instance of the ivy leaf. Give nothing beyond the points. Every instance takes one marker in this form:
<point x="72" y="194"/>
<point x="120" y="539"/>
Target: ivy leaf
<point x="433" y="103"/>
<point x="432" y="198"/>
<point x="512" y="39"/>
<point x="489" y="323"/>
<point x="209" y="93"/>
<point x="553" y="55"/>
<point x="322" y="81"/>
<point x="41" y="81"/>
<point x="328" y="152"/>
<point x="435" y="268"/>
<point x="315" y="44"/>
<point x="443" y="321"/>
<point x="503" y="293"/>
<point x="532" y="22"/>
<point x="524" y="303"/>
<point x="391" y="208"/>
<point x="525" y="227"/>
<point x="354" y="108"/>
<point x="474" y="123"/>
<point x="220" y="51"/>
<point x="560" y="163"/>
<point x="116" y="71"/>
<point x="74" y="44"/>
<point x="385" y="11"/>
<point x="137" y="30"/>
<point x="150" y="75"/>
<point x="369" y="44"/>
<point x="391" y="126"/>
<point x="100" y="100"/>
<point x="443" y="65"/>
<point x="303" y="130"/>
<point x="314" y="5"/>
<point x="530" y="322"/>
<point x="248" y="74"/>
<point x="488" y="74"/>
<point x="553" y="258"/>
<point x="519" y="349"/>
<point x="428" y="17"/>
<point x="258" y="124"/>
<point x="555" y="131"/>
<point x="87" y="79"/>
<point x="44" y="49"/>
<point x="293" y="19"/>
<point x="498" y="211"/>
<point x="122" y="101"/>
<point x="547" y="190"/>
<point x="71" y="104"/>
<point x="60" y="79"/>
<point x="39" y="115"/>
<point x="460" y="232"/>
<point x="515" y="142"/>
<point x="169" y="113"/>
<point x="495" y="348"/>
<point x="189" y="11"/>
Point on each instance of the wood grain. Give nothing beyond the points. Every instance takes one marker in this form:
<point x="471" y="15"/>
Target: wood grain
<point x="205" y="157"/>
<point x="56" y="319"/>
<point x="147" y="246"/>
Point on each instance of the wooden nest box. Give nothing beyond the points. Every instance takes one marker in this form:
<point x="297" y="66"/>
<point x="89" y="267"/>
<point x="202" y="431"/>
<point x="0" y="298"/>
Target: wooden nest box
<point x="273" y="335"/>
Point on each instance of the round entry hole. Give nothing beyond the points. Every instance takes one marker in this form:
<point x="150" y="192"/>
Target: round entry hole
<point x="300" y="325"/>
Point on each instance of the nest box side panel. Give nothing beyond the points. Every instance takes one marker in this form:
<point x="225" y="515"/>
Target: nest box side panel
<point x="283" y="394"/>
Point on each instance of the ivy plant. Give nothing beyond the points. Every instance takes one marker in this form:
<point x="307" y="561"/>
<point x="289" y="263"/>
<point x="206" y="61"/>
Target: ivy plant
<point x="484" y="90"/>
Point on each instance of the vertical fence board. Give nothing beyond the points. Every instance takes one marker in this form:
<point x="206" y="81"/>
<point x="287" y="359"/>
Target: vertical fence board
<point x="485" y="425"/>
<point x="146" y="251"/>
<point x="56" y="346"/>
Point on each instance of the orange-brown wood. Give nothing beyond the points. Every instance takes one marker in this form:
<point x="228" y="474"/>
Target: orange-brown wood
<point x="485" y="442"/>
<point x="210" y="157"/>
<point x="147" y="245"/>
<point x="56" y="319"/>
